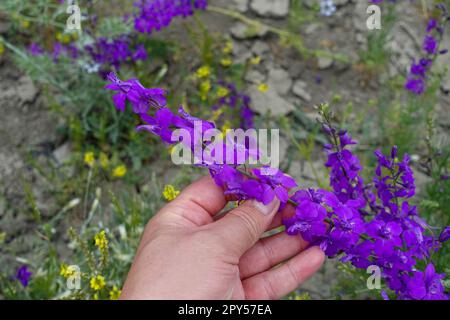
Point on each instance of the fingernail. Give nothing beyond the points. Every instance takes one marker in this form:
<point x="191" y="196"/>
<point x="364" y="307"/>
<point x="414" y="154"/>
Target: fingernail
<point x="269" y="208"/>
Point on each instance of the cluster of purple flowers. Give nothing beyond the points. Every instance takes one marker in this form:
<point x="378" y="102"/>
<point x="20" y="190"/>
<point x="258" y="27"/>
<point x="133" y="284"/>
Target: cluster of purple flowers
<point x="115" y="52"/>
<point x="153" y="15"/>
<point x="353" y="222"/>
<point x="416" y="80"/>
<point x="103" y="54"/>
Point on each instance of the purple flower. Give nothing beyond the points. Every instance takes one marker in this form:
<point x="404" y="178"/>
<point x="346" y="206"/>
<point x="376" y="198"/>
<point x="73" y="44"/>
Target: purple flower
<point x="445" y="234"/>
<point x="35" y="49"/>
<point x="430" y="44"/>
<point x="23" y="275"/>
<point x="132" y="90"/>
<point x="153" y="15"/>
<point x="278" y="181"/>
<point x="416" y="86"/>
<point x="387" y="236"/>
<point x="425" y="285"/>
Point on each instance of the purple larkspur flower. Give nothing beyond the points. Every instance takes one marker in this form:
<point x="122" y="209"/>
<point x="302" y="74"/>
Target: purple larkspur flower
<point x="425" y="285"/>
<point x="132" y="90"/>
<point x="445" y="234"/>
<point x="23" y="275"/>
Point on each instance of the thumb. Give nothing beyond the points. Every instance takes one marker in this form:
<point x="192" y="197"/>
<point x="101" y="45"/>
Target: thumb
<point x="243" y="226"/>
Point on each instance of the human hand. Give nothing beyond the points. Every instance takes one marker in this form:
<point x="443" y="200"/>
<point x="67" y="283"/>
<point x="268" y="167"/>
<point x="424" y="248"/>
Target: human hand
<point x="185" y="253"/>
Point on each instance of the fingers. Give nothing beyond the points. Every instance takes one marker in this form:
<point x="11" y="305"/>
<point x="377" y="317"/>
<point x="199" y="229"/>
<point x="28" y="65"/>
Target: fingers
<point x="198" y="202"/>
<point x="242" y="227"/>
<point x="268" y="252"/>
<point x="287" y="212"/>
<point x="278" y="282"/>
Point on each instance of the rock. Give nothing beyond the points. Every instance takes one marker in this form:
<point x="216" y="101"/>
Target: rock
<point x="26" y="90"/>
<point x="241" y="52"/>
<point x="254" y="76"/>
<point x="260" y="48"/>
<point x="299" y="89"/>
<point x="241" y="31"/>
<point x="324" y="63"/>
<point x="295" y="69"/>
<point x="270" y="8"/>
<point x="269" y="101"/>
<point x="62" y="153"/>
<point x="280" y="80"/>
<point x="239" y="5"/>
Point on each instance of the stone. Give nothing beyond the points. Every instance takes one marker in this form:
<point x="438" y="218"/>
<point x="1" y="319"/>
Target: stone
<point x="254" y="76"/>
<point x="268" y="102"/>
<point x="240" y="5"/>
<point x="242" y="31"/>
<point x="62" y="153"/>
<point x="300" y="90"/>
<point x="260" y="48"/>
<point x="270" y="8"/>
<point x="26" y="90"/>
<point x="324" y="63"/>
<point x="280" y="80"/>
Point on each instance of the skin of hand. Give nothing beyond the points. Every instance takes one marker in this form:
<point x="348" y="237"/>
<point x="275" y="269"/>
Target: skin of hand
<point x="188" y="253"/>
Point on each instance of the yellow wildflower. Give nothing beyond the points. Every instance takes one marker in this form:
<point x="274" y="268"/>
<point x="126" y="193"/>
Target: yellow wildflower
<point x="97" y="283"/>
<point x="205" y="87"/>
<point x="63" y="37"/>
<point x="255" y="60"/>
<point x="89" y="158"/>
<point x="101" y="241"/>
<point x="25" y="24"/>
<point x="222" y="92"/>
<point x="226" y="62"/>
<point x="114" y="293"/>
<point x="67" y="271"/>
<point x="2" y="48"/>
<point x="119" y="171"/>
<point x="170" y="192"/>
<point x="104" y="161"/>
<point x="228" y="47"/>
<point x="263" y="87"/>
<point x="203" y="72"/>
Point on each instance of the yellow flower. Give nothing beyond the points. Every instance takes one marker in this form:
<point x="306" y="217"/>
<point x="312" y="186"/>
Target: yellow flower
<point x="222" y="92"/>
<point x="203" y="72"/>
<point x="104" y="161"/>
<point x="228" y="47"/>
<point x="97" y="283"/>
<point x="89" y="158"/>
<point x="63" y="37"/>
<point x="205" y="87"/>
<point x="67" y="271"/>
<point x="119" y="171"/>
<point x="226" y="62"/>
<point x="2" y="237"/>
<point x="255" y="60"/>
<point x="25" y="24"/>
<point x="101" y="241"/>
<point x="170" y="192"/>
<point x="263" y="87"/>
<point x="114" y="293"/>
<point x="2" y="48"/>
